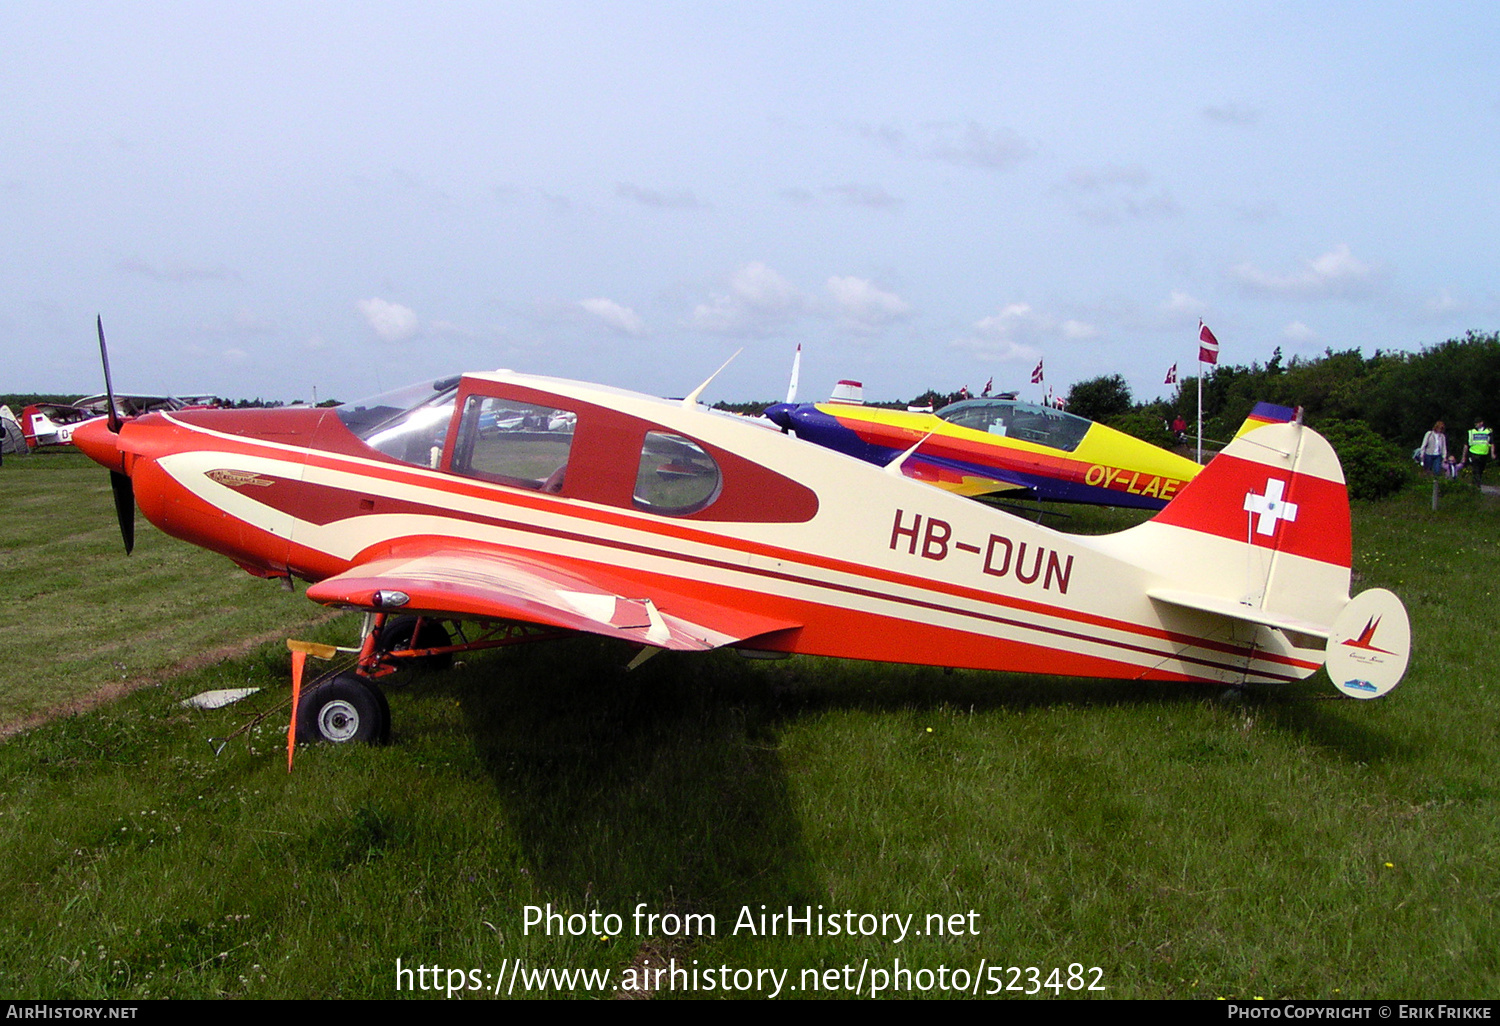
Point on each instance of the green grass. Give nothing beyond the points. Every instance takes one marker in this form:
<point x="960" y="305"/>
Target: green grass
<point x="1190" y="842"/>
<point x="80" y="614"/>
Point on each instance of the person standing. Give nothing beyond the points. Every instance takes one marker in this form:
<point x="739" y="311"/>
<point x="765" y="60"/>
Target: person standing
<point x="1477" y="452"/>
<point x="1435" y="448"/>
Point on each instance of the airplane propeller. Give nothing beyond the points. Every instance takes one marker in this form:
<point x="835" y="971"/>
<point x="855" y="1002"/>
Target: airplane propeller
<point x="119" y="483"/>
<point x="124" y="507"/>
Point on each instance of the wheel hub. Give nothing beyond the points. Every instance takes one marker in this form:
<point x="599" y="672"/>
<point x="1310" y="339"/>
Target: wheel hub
<point x="338" y="720"/>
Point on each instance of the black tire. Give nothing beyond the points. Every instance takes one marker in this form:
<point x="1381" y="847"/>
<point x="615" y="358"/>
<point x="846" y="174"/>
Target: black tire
<point x="342" y="709"/>
<point x="397" y="634"/>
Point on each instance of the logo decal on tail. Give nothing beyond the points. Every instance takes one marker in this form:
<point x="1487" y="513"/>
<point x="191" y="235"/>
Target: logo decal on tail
<point x="1367" y="636"/>
<point x="1355" y="665"/>
<point x="1269" y="508"/>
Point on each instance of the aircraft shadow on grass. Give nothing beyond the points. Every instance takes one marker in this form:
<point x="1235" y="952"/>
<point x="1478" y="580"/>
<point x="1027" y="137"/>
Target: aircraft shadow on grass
<point x="671" y="779"/>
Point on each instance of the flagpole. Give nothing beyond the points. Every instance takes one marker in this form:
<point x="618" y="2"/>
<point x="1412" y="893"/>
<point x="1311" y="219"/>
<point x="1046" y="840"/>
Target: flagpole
<point x="1200" y="411"/>
<point x="1208" y="352"/>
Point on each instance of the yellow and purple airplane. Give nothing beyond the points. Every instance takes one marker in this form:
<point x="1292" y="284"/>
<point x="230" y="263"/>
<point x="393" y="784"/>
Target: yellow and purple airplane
<point x="1002" y="446"/>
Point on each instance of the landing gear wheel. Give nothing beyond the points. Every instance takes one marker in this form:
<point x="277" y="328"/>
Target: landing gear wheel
<point x="398" y="634"/>
<point x="344" y="708"/>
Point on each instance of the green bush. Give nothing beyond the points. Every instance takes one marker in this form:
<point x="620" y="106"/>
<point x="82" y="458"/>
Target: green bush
<point x="1100" y="398"/>
<point x="1373" y="467"/>
<point x="1145" y="423"/>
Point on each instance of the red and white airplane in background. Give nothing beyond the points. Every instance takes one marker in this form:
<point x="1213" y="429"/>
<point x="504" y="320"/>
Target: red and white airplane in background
<point x="54" y="423"/>
<point x="524" y="502"/>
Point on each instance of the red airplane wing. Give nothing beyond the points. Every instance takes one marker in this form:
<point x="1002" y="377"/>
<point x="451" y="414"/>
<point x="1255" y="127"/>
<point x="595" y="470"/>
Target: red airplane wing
<point x="481" y="584"/>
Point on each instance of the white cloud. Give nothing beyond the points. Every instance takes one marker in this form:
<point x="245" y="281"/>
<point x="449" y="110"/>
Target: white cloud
<point x="758" y="300"/>
<point x="616" y="317"/>
<point x="1017" y="330"/>
<point x="999" y="350"/>
<point x="1078" y="331"/>
<point x="391" y="322"/>
<point x="1336" y="274"/>
<point x="761" y="287"/>
<point x="863" y="306"/>
<point x="1443" y="304"/>
<point x="1003" y="336"/>
<point x="1299" y="333"/>
<point x="1016" y="318"/>
<point x="234" y="356"/>
<point x="720" y="315"/>
<point x="1180" y="304"/>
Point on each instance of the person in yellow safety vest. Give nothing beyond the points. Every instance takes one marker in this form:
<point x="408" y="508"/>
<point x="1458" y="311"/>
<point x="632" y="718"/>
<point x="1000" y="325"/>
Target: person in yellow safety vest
<point x="1478" y="451"/>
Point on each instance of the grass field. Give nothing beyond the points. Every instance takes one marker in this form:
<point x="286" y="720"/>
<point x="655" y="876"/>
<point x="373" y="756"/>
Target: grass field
<point x="80" y="616"/>
<point x="1189" y="842"/>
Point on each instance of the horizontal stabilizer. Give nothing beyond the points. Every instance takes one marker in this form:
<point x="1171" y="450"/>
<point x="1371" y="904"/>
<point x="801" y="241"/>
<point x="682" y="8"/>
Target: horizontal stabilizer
<point x="1238" y="611"/>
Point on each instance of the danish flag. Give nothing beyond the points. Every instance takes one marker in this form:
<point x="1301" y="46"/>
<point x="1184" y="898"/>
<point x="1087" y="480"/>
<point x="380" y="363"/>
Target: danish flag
<point x="1036" y="375"/>
<point x="1171" y="375"/>
<point x="1208" y="346"/>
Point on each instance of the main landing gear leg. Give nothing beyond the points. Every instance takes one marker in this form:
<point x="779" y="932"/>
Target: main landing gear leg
<point x="346" y="704"/>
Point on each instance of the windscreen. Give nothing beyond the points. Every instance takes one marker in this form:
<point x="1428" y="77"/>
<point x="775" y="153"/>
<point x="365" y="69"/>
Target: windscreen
<point x="1007" y="418"/>
<point x="409" y="424"/>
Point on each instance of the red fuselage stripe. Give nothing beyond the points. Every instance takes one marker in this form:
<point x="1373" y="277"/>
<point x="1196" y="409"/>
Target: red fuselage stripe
<point x="400" y="475"/>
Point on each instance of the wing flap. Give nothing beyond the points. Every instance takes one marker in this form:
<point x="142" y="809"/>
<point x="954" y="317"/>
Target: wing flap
<point x="471" y="583"/>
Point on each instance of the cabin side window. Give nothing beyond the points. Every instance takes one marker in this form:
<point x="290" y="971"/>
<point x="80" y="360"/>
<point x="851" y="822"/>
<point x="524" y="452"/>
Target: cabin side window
<point x="525" y="445"/>
<point x="676" y="477"/>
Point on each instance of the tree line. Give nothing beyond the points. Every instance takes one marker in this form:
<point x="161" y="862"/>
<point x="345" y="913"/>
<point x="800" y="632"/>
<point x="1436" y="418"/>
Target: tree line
<point x="1374" y="409"/>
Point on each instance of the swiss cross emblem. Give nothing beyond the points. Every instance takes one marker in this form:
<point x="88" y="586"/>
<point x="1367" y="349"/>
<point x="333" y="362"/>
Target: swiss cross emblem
<point x="1269" y="508"/>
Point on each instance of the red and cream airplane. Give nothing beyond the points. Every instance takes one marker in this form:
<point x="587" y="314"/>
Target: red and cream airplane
<point x="535" y="505"/>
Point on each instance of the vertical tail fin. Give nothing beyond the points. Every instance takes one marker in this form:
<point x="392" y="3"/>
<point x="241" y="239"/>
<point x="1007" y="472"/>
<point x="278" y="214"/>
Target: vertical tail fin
<point x="1266" y="526"/>
<point x="1260" y="543"/>
<point x="1268" y="413"/>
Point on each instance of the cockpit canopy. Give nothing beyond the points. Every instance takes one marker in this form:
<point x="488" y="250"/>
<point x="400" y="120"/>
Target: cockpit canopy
<point x="517" y="436"/>
<point x="1025" y="422"/>
<point x="409" y="424"/>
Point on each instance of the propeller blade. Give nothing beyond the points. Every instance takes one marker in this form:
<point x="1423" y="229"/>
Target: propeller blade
<point x="124" y="507"/>
<point x="109" y="392"/>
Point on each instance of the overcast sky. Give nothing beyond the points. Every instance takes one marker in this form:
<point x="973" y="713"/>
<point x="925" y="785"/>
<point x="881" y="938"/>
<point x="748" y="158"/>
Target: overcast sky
<point x="265" y="198"/>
